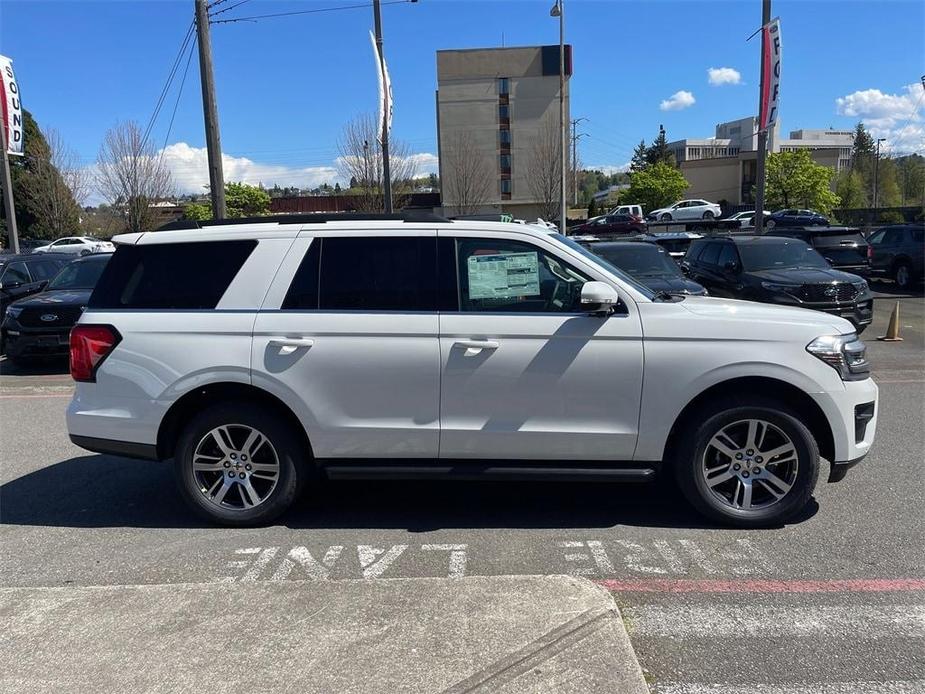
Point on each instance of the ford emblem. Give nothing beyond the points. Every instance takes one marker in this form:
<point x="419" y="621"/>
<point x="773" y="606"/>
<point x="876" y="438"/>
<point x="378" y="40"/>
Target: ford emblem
<point x="49" y="317"/>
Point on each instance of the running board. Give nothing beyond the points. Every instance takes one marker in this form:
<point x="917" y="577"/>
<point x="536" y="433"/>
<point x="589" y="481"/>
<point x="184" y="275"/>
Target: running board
<point x="339" y="469"/>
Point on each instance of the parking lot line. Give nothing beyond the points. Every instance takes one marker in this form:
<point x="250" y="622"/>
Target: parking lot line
<point x="36" y="395"/>
<point x="859" y="585"/>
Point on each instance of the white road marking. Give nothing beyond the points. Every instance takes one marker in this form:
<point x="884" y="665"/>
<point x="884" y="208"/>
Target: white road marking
<point x="892" y="687"/>
<point x="373" y="567"/>
<point x="718" y="621"/>
<point x="457" y="568"/>
<point x="302" y="557"/>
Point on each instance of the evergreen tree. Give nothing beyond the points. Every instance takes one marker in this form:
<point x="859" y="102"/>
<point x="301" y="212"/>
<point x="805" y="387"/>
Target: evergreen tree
<point x="638" y="162"/>
<point x="659" y="151"/>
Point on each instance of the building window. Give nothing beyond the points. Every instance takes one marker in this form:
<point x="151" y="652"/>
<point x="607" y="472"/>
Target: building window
<point x="506" y="186"/>
<point x="504" y="85"/>
<point x="504" y="111"/>
<point x="505" y="137"/>
<point x="505" y="163"/>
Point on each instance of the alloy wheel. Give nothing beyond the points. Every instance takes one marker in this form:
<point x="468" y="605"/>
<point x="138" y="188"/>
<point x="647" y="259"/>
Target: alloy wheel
<point x="902" y="276"/>
<point x="235" y="467"/>
<point x="750" y="465"/>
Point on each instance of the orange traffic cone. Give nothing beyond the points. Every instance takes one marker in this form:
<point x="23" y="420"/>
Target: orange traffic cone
<point x="892" y="330"/>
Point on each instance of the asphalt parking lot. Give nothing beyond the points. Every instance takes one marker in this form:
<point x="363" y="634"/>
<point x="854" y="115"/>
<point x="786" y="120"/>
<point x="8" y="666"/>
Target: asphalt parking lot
<point x="832" y="603"/>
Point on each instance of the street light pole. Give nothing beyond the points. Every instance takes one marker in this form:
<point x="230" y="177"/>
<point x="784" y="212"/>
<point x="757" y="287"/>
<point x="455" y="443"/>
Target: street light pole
<point x="877" y="174"/>
<point x="6" y="182"/>
<point x="558" y="10"/>
<point x="575" y="137"/>
<point x="383" y="126"/>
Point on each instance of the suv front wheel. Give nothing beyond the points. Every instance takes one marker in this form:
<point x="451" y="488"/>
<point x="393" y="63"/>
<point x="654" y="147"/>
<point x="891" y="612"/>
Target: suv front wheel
<point x="238" y="465"/>
<point x="748" y="465"/>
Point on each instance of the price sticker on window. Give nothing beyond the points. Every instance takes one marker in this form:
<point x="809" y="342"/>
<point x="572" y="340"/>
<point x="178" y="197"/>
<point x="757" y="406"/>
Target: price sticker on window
<point x="503" y="275"/>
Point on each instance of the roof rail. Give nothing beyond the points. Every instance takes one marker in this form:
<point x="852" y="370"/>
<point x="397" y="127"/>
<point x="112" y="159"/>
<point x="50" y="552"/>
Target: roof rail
<point x="321" y="218"/>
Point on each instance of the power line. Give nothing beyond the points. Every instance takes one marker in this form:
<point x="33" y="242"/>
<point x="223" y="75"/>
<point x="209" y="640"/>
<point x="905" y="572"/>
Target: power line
<point x="254" y="18"/>
<point x="164" y="91"/>
<point x="237" y="4"/>
<point x="173" y="115"/>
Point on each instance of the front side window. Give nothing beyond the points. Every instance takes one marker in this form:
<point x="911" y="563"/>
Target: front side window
<point x="728" y="256"/>
<point x="15" y="272"/>
<point x="497" y="275"/>
<point x="366" y="274"/>
<point x="44" y="269"/>
<point x="711" y="254"/>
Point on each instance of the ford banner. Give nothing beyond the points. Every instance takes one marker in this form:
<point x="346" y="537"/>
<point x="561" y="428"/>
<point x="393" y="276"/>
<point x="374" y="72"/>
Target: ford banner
<point x="11" y="108"/>
<point x="770" y="74"/>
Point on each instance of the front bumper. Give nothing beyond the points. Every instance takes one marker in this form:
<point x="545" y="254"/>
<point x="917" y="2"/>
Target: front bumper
<point x="858" y="313"/>
<point x="852" y="413"/>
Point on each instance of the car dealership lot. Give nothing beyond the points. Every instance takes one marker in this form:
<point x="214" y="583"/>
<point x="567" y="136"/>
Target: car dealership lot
<point x="835" y="602"/>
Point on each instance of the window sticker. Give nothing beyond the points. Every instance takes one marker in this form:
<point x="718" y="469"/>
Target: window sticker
<point x="503" y="275"/>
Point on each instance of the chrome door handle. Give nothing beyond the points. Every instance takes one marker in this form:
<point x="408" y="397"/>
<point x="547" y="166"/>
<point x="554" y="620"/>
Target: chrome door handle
<point x="288" y="345"/>
<point x="474" y="347"/>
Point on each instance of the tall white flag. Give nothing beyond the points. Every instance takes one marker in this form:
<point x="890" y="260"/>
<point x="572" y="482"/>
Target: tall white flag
<point x="385" y="91"/>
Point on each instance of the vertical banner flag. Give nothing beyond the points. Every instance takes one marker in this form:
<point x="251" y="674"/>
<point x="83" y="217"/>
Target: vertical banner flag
<point x="10" y="108"/>
<point x="385" y="91"/>
<point x="770" y="78"/>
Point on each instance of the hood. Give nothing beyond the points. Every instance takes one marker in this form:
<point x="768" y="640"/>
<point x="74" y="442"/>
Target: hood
<point x="803" y="276"/>
<point x="659" y="211"/>
<point x="755" y="313"/>
<point x="56" y="297"/>
<point x="669" y="283"/>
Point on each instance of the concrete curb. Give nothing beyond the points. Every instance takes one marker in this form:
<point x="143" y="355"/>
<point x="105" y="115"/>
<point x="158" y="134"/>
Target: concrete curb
<point x="478" y="634"/>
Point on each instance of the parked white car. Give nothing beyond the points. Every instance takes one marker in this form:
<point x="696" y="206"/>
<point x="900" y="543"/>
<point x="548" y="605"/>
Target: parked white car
<point x="746" y="218"/>
<point x="78" y="245"/>
<point x="687" y="209"/>
<point x="263" y="356"/>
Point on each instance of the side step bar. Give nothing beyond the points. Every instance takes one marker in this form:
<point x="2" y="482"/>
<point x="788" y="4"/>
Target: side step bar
<point x="339" y="469"/>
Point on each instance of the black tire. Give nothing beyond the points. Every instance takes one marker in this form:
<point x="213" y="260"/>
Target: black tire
<point x="708" y="215"/>
<point x="665" y="217"/>
<point x="284" y="441"/>
<point x="903" y="275"/>
<point x="770" y="223"/>
<point x="692" y="445"/>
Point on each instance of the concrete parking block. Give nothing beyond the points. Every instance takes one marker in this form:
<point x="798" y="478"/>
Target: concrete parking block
<point x="480" y="634"/>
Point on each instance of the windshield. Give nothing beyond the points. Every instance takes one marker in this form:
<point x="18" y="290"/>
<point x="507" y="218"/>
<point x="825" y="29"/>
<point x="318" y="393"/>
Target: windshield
<point x="775" y="256"/>
<point x="601" y="262"/>
<point x="81" y="275"/>
<point x="639" y="259"/>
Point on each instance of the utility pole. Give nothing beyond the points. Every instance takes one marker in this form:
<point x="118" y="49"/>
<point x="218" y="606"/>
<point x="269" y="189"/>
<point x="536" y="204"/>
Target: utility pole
<point x="558" y="10"/>
<point x="383" y="126"/>
<point x="7" y="183"/>
<point x="210" y="112"/>
<point x="762" y="135"/>
<point x="575" y="137"/>
<point x="877" y="174"/>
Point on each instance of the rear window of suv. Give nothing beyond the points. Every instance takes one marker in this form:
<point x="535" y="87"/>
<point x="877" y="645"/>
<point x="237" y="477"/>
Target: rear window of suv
<point x="170" y="276"/>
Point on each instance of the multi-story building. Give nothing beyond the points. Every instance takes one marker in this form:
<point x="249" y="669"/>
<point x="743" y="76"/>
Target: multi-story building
<point x="724" y="167"/>
<point x="498" y="127"/>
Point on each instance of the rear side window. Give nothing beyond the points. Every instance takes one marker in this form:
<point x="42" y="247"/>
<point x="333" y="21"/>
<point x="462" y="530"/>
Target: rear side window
<point x="44" y="269"/>
<point x="694" y="250"/>
<point x="170" y="276"/>
<point x="711" y="254"/>
<point x="918" y="235"/>
<point x="366" y="274"/>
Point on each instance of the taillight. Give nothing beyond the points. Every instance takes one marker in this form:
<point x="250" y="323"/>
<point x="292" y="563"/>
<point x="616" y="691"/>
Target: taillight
<point x="870" y="252"/>
<point x="90" y="345"/>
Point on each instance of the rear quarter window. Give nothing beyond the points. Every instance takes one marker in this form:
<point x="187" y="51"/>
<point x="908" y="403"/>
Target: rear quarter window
<point x="170" y="276"/>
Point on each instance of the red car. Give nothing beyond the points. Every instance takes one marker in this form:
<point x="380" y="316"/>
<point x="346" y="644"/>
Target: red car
<point x="611" y="224"/>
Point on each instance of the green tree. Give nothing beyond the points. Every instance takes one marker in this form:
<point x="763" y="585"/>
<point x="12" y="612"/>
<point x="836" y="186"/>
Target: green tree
<point x="849" y="186"/>
<point x="888" y="193"/>
<point x="910" y="171"/>
<point x="659" y="151"/>
<point x="592" y="208"/>
<point x="795" y="180"/>
<point x="655" y="186"/>
<point x="241" y="200"/>
<point x="638" y="162"/>
<point x="863" y="155"/>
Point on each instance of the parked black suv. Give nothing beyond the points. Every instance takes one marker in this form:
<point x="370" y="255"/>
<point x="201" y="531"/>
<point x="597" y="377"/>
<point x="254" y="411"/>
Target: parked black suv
<point x="22" y="275"/>
<point x="40" y="325"/>
<point x="648" y="263"/>
<point x="898" y="252"/>
<point x="777" y="270"/>
<point x="845" y="248"/>
<point x="796" y="218"/>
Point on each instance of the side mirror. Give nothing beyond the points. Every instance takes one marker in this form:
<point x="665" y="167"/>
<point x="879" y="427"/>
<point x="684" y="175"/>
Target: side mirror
<point x="731" y="267"/>
<point x="598" y="297"/>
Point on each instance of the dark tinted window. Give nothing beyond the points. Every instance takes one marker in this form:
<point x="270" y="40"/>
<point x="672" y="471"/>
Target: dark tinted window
<point x="175" y="275"/>
<point x="711" y="254"/>
<point x="367" y="274"/>
<point x="694" y="250"/>
<point x="918" y="235"/>
<point x="80" y="275"/>
<point x="639" y="259"/>
<point x="894" y="235"/>
<point x="728" y="255"/>
<point x="786" y="253"/>
<point x="44" y="269"/>
<point x="15" y="272"/>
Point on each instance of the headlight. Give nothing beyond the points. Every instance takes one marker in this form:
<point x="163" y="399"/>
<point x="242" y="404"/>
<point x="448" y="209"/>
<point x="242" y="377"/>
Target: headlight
<point x="13" y="311"/>
<point x="844" y="353"/>
<point x="781" y="288"/>
<point x="861" y="286"/>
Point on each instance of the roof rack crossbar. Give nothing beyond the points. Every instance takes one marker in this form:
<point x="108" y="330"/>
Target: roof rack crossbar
<point x="320" y="218"/>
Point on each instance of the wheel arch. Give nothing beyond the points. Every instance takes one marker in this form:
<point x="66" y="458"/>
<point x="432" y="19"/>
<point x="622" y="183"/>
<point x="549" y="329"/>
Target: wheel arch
<point x="204" y="396"/>
<point x="803" y="405"/>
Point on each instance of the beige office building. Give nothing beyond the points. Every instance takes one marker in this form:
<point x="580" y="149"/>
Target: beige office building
<point x="497" y="119"/>
<point x="725" y="167"/>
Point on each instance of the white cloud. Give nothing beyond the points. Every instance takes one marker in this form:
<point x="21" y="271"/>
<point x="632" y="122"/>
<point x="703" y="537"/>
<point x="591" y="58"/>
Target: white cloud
<point x="677" y="101"/>
<point x="896" y="117"/>
<point x="723" y="75"/>
<point x="609" y="169"/>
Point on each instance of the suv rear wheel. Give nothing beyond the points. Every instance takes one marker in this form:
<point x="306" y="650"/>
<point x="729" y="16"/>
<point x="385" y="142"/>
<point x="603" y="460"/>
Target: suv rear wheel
<point x="238" y="465"/>
<point x="748" y="465"/>
<point x="902" y="275"/>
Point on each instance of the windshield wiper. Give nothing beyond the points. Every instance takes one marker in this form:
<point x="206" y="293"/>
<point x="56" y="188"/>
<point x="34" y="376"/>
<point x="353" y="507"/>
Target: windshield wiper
<point x="669" y="296"/>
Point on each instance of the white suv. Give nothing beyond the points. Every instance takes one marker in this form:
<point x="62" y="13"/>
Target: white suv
<point x="257" y="355"/>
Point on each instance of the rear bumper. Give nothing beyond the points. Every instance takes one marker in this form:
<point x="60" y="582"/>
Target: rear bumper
<point x="126" y="449"/>
<point x="23" y="342"/>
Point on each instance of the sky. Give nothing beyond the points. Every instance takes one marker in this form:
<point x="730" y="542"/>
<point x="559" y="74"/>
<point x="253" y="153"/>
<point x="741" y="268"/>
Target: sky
<point x="286" y="85"/>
